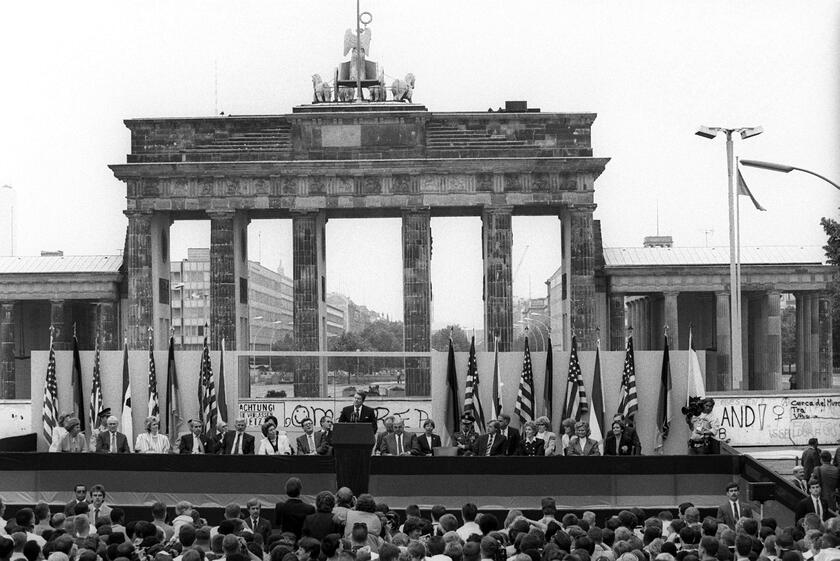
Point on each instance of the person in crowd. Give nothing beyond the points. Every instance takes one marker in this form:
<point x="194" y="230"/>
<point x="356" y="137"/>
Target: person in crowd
<point x="306" y="445"/>
<point x="425" y="444"/>
<point x="813" y="503"/>
<point x="344" y="501"/>
<point x="321" y="523"/>
<point x="323" y="437"/>
<point x="732" y="510"/>
<point x="388" y="424"/>
<point x="274" y="442"/>
<point x="112" y="441"/>
<point x="469" y="512"/>
<point x="290" y="514"/>
<point x="531" y="445"/>
<point x="152" y="441"/>
<point x="567" y="427"/>
<point x="545" y="433"/>
<point x="80" y="492"/>
<point x="194" y="442"/>
<point x="811" y="457"/>
<point x="257" y="524"/>
<point x="159" y="519"/>
<point x="491" y="443"/>
<point x="358" y="412"/>
<point x="73" y="440"/>
<point x="581" y="444"/>
<point x="618" y="443"/>
<point x="511" y="434"/>
<point x="399" y="442"/>
<point x="183" y="515"/>
<point x="365" y="513"/>
<point x="101" y="426"/>
<point x="42" y="518"/>
<point x="465" y="438"/>
<point x="238" y="442"/>
<point x="799" y="480"/>
<point x="97" y="503"/>
<point x="828" y="477"/>
<point x="704" y="427"/>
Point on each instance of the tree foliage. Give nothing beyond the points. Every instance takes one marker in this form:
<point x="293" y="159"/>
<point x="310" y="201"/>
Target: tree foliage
<point x="832" y="253"/>
<point x="460" y="341"/>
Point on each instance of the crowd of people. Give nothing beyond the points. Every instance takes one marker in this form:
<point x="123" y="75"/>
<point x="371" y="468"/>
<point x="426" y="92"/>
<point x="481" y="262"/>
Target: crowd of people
<point x="344" y="527"/>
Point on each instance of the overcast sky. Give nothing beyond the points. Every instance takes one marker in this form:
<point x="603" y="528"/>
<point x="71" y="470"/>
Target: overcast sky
<point x="652" y="71"/>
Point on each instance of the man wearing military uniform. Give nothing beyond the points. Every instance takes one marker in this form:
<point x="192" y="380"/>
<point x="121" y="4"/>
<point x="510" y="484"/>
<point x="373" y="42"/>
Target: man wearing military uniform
<point x="465" y="438"/>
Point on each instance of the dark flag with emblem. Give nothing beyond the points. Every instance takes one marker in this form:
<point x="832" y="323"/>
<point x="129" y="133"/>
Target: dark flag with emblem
<point x="576" y="404"/>
<point x="173" y="395"/>
<point x="221" y="399"/>
<point x="78" y="400"/>
<point x="597" y="412"/>
<point x="548" y="383"/>
<point x="629" y="403"/>
<point x="50" y="413"/>
<point x="453" y="413"/>
<point x="525" y="398"/>
<point x="497" y="381"/>
<point x="472" y="399"/>
<point x="663" y="409"/>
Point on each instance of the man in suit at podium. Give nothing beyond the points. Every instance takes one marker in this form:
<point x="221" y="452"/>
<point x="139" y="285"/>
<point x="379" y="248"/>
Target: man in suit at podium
<point x="358" y="412"/>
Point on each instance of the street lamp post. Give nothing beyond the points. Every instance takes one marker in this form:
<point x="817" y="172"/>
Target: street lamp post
<point x="736" y="369"/>
<point x="180" y="288"/>
<point x="785" y="169"/>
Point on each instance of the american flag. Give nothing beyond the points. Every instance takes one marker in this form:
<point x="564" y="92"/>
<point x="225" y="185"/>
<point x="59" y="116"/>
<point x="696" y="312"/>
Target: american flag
<point x="95" y="389"/>
<point x="472" y="399"/>
<point x="154" y="406"/>
<point x="50" y="397"/>
<point x="577" y="404"/>
<point x="629" y="400"/>
<point x="207" y="393"/>
<point x="525" y="398"/>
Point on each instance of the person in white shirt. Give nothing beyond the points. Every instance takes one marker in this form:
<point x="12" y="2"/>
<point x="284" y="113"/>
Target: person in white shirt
<point x="274" y="442"/>
<point x="468" y="512"/>
<point x="152" y="441"/>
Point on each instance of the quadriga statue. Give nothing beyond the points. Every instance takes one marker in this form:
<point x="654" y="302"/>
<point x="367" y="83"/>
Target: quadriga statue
<point x="321" y="89"/>
<point x="402" y="90"/>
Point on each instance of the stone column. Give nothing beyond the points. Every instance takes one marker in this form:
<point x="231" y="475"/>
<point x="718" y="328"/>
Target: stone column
<point x="140" y="284"/>
<point x="825" y="338"/>
<point x="107" y="326"/>
<point x="672" y="319"/>
<point x="7" y="350"/>
<point x="222" y="280"/>
<point x="61" y="334"/>
<point x="309" y="276"/>
<point x="417" y="297"/>
<point x="723" y="334"/>
<point x="803" y="341"/>
<point x="617" y="328"/>
<point x="579" y="264"/>
<point x="497" y="243"/>
<point x="773" y="343"/>
<point x="756" y="330"/>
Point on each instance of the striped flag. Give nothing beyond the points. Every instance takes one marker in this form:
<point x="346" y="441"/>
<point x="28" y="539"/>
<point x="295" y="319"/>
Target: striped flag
<point x="548" y="384"/>
<point x="50" y="396"/>
<point x="525" y="398"/>
<point x="472" y="395"/>
<point x="173" y="395"/>
<point x="95" y="388"/>
<point x="126" y="420"/>
<point x="78" y="400"/>
<point x="207" y="389"/>
<point x="663" y="409"/>
<point x="453" y="415"/>
<point x="497" y="381"/>
<point x="154" y="405"/>
<point x="597" y="424"/>
<point x="576" y="403"/>
<point x="221" y="401"/>
<point x="629" y="400"/>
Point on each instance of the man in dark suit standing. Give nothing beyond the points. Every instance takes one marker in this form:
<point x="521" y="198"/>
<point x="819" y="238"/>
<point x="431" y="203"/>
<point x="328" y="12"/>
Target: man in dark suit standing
<point x="194" y="442"/>
<point x="112" y="441"/>
<point x="358" y="412"/>
<point x="731" y="511"/>
<point x="238" y="442"/>
<point x="492" y="443"/>
<point x="811" y="457"/>
<point x="290" y="514"/>
<point x="812" y="503"/>
<point x="323" y="437"/>
<point x="81" y="497"/>
<point x="512" y="435"/>
<point x="306" y="445"/>
<point x="255" y="522"/>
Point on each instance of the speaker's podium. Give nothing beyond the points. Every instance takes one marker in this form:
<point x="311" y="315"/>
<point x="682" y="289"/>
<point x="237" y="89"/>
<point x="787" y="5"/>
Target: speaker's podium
<point x="352" y="446"/>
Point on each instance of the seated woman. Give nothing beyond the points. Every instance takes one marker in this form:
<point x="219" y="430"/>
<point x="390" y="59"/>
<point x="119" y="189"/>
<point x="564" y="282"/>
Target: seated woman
<point x="274" y="442"/>
<point x="74" y="439"/>
<point x="548" y="437"/>
<point x="424" y="444"/>
<point x="152" y="441"/>
<point x="581" y="444"/>
<point x="530" y="445"/>
<point x="618" y="442"/>
<point x="568" y="428"/>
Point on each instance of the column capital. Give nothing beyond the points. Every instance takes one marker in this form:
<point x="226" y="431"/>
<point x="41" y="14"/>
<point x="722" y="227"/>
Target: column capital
<point x="220" y="214"/>
<point x="588" y="208"/>
<point x="138" y="213"/>
<point x="497" y="209"/>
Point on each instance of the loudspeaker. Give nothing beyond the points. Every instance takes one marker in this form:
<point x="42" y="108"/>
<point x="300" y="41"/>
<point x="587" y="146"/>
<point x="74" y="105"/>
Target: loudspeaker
<point x="761" y="492"/>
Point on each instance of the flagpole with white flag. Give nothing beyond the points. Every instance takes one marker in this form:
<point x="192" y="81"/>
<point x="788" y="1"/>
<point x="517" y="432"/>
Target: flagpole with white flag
<point x="597" y="411"/>
<point x="126" y="420"/>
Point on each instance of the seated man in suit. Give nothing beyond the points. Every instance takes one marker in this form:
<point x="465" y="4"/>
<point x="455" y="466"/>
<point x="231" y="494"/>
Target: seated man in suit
<point x="194" y="442"/>
<point x="112" y="441"/>
<point x="424" y="444"/>
<point x="306" y="445"/>
<point x="812" y="503"/>
<point x="255" y="522"/>
<point x="238" y="442"/>
<point x="358" y="412"/>
<point x="732" y="510"/>
<point x="491" y="443"/>
<point x="323" y="437"/>
<point x="388" y="423"/>
<point x="399" y="442"/>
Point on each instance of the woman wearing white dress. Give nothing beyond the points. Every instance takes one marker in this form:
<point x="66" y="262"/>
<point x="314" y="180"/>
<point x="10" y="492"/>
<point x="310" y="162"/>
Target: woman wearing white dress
<point x="550" y="439"/>
<point x="274" y="442"/>
<point x="151" y="441"/>
<point x="59" y="431"/>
